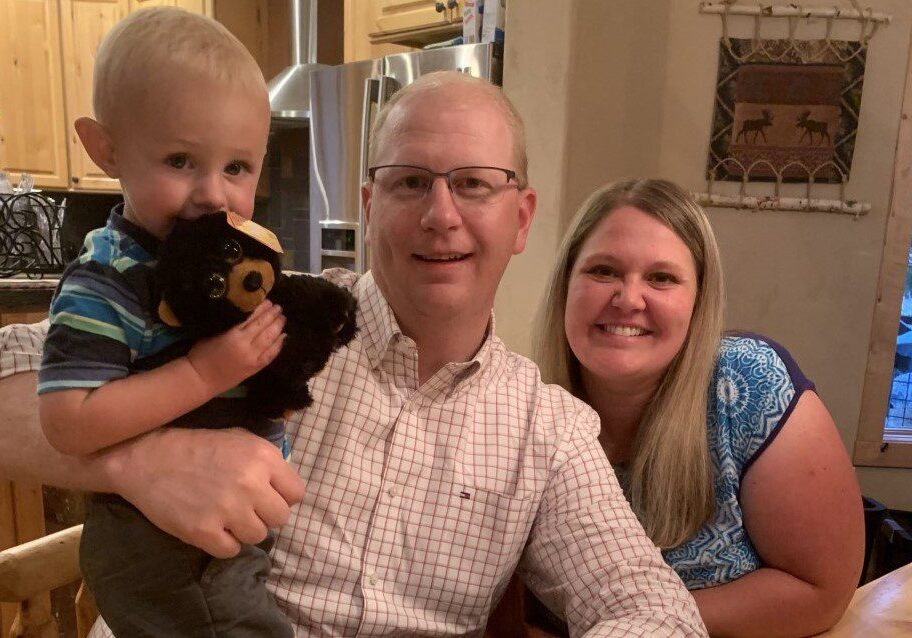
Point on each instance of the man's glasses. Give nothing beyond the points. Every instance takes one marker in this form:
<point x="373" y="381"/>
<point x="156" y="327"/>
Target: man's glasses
<point x="470" y="185"/>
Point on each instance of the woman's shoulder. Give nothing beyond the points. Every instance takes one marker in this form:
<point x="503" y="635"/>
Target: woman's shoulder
<point x="755" y="388"/>
<point x="757" y="356"/>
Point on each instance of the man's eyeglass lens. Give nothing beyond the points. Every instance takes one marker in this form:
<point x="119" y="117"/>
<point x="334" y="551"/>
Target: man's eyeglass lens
<point x="475" y="185"/>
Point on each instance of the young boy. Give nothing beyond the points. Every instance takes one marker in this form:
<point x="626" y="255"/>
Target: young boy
<point x="182" y="118"/>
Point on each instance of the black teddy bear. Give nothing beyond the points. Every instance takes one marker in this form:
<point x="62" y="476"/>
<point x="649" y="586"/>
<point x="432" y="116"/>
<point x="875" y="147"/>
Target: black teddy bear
<point x="213" y="271"/>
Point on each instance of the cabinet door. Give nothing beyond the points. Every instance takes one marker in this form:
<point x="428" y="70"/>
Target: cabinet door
<point x="249" y="22"/>
<point x="359" y="22"/>
<point x="32" y="124"/>
<point x="196" y="6"/>
<point x="409" y="15"/>
<point x="85" y="22"/>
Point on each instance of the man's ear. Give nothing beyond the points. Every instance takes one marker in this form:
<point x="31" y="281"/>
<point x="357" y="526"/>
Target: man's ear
<point x="98" y="144"/>
<point x="527" y="201"/>
<point x="366" y="195"/>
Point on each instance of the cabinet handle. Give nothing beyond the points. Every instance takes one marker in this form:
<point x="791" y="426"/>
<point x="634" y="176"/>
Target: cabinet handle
<point x="75" y="180"/>
<point x="452" y="4"/>
<point x="439" y="7"/>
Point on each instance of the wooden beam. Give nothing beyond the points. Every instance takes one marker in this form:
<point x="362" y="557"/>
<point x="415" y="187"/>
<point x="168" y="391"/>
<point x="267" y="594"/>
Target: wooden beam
<point x="891" y="283"/>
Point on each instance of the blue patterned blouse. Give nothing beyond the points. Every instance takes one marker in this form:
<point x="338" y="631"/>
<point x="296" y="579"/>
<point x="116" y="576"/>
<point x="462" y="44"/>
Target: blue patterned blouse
<point x="755" y="387"/>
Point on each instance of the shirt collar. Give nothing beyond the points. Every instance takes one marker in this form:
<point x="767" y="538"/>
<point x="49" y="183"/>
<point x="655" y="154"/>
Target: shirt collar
<point x="381" y="332"/>
<point x="137" y="233"/>
<point x="377" y="322"/>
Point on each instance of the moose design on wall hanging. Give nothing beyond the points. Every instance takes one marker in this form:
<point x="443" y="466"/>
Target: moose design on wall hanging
<point x="780" y="114"/>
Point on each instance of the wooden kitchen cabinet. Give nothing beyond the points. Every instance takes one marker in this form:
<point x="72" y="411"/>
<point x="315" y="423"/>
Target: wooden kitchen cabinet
<point x="33" y="135"/>
<point x="415" y="22"/>
<point x="196" y="6"/>
<point x="84" y="24"/>
<point x="47" y="52"/>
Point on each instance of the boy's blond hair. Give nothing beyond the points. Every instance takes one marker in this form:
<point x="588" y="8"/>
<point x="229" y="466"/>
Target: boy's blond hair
<point x="149" y="47"/>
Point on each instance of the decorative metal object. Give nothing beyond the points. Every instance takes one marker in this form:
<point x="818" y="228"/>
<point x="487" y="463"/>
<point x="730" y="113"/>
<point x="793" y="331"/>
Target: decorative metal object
<point x="30" y="226"/>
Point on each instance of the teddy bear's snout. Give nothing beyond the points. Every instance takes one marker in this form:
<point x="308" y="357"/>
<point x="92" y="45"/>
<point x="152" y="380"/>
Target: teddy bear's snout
<point x="253" y="281"/>
<point x="249" y="282"/>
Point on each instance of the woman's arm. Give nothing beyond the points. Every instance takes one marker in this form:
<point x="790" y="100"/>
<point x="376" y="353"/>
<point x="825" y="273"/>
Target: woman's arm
<point x="802" y="511"/>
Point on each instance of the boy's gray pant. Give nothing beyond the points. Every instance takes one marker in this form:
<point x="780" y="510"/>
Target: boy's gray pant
<point x="149" y="584"/>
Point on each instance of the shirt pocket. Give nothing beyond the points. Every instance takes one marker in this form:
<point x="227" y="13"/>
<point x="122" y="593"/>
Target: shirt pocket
<point x="500" y="518"/>
<point x="484" y="534"/>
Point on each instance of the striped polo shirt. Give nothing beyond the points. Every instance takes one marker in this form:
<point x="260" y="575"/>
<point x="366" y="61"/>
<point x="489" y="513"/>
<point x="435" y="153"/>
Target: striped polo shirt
<point x="102" y="317"/>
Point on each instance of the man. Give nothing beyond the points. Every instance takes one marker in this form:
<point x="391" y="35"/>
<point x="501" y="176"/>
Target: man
<point x="435" y="462"/>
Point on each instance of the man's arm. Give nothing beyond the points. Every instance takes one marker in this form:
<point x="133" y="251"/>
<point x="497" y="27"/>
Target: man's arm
<point x="208" y="488"/>
<point x="589" y="558"/>
<point x="25" y="454"/>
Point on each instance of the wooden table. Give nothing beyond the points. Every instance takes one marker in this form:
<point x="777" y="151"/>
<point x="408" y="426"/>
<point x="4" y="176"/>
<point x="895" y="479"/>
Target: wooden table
<point x="882" y="608"/>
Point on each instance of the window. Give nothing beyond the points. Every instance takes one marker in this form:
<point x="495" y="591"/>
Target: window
<point x="884" y="436"/>
<point x="898" y="423"/>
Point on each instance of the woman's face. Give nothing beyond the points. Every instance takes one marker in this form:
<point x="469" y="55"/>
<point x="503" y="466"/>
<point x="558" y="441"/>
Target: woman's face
<point x="630" y="297"/>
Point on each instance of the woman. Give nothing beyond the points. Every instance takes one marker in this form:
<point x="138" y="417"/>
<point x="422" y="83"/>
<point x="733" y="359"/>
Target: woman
<point x="727" y="455"/>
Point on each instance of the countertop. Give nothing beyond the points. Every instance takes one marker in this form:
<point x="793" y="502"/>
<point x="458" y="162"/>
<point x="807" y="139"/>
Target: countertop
<point x="19" y="294"/>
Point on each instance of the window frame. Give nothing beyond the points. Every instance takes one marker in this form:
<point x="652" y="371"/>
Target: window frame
<point x="870" y="447"/>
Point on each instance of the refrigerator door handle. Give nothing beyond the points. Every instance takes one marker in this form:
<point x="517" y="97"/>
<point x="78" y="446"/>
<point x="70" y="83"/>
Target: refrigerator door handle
<point x="371" y="97"/>
<point x="388" y="86"/>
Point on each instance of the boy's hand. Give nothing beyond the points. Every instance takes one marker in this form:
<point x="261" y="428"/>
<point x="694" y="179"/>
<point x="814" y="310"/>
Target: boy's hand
<point x="225" y="360"/>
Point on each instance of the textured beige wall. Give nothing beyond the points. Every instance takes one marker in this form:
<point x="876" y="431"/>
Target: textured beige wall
<point x="635" y="97"/>
<point x="537" y="63"/>
<point x="805" y="279"/>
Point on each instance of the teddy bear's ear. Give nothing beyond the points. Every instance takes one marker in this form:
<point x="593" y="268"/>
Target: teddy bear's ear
<point x="254" y="231"/>
<point x="167" y="315"/>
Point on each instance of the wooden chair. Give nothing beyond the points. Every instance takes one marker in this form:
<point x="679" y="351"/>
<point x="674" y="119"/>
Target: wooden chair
<point x="31" y="570"/>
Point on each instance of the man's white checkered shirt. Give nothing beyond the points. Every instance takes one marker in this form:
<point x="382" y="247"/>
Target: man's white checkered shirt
<point x="421" y="501"/>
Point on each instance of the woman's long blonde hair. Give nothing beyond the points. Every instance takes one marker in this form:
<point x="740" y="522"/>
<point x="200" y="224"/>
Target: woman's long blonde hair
<point x="671" y="476"/>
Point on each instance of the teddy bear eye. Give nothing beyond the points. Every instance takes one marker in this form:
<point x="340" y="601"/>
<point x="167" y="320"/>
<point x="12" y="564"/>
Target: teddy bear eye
<point x="231" y="251"/>
<point x="218" y="286"/>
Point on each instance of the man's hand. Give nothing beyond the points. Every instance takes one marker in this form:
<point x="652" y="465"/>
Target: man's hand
<point x="227" y="359"/>
<point x="210" y="488"/>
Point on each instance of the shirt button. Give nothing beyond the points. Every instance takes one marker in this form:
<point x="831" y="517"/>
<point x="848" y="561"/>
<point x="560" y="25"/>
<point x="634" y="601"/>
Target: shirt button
<point x="371" y="579"/>
<point x="393" y="491"/>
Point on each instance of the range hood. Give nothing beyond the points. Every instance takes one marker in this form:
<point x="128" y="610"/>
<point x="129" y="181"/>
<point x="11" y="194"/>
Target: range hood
<point x="289" y="91"/>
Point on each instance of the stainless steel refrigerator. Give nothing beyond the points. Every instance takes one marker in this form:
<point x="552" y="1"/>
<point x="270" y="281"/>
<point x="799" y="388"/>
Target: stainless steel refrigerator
<point x="344" y="100"/>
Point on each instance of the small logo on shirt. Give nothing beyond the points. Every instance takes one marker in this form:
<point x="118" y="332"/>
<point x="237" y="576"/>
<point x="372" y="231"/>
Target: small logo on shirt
<point x="466" y="494"/>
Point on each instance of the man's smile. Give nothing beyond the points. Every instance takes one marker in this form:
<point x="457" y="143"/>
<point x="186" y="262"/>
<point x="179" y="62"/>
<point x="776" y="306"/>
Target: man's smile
<point x="441" y="257"/>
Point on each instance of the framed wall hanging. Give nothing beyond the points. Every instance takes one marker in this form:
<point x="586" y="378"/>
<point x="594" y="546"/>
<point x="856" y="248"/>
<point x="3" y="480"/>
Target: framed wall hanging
<point x="786" y="110"/>
<point x="798" y="118"/>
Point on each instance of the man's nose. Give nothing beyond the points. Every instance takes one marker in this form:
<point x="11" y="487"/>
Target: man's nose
<point x="629" y="296"/>
<point x="209" y="193"/>
<point x="440" y="211"/>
